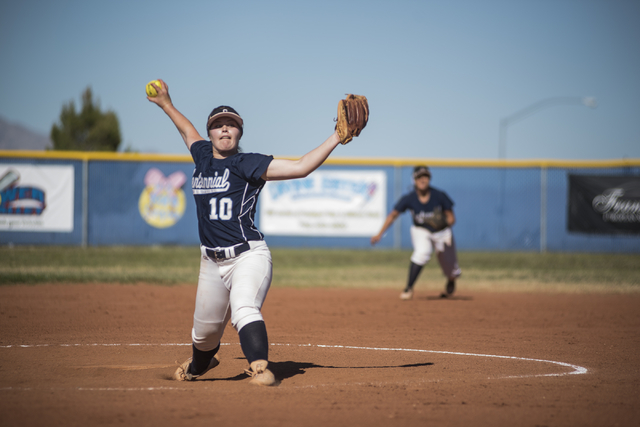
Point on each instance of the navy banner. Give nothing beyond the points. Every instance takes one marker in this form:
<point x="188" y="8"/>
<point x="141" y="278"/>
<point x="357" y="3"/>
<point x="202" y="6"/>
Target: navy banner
<point x="604" y="204"/>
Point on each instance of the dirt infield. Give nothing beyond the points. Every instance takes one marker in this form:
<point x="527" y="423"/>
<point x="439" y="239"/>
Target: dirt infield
<point x="93" y="355"/>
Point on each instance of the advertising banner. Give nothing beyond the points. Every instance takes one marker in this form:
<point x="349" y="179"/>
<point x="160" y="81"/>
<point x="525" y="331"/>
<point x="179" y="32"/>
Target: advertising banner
<point x="604" y="204"/>
<point x="162" y="202"/>
<point x="326" y="203"/>
<point x="36" y="198"/>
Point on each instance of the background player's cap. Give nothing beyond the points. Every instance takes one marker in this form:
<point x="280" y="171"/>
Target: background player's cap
<point x="224" y="111"/>
<point x="419" y="171"/>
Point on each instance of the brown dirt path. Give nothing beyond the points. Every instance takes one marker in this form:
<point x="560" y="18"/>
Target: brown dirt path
<point x="79" y="355"/>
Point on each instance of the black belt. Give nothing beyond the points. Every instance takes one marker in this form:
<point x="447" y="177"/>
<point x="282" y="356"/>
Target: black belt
<point x="227" y="253"/>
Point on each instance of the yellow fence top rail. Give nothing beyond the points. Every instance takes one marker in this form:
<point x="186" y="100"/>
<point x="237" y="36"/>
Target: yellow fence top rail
<point x="356" y="161"/>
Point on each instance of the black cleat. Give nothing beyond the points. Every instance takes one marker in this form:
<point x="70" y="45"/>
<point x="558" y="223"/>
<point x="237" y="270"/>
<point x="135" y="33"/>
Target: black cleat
<point x="450" y="289"/>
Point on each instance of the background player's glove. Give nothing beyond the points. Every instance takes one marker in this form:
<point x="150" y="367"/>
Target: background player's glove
<point x="353" y="114"/>
<point x="438" y="221"/>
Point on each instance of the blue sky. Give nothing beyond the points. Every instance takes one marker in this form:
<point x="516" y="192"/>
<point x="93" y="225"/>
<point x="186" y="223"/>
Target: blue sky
<point x="439" y="74"/>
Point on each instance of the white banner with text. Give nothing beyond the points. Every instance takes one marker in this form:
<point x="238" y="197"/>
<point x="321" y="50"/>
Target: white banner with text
<point x="36" y="197"/>
<point x="326" y="203"/>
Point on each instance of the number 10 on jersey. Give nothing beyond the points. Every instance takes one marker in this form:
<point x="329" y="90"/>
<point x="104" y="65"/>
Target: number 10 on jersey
<point x="223" y="211"/>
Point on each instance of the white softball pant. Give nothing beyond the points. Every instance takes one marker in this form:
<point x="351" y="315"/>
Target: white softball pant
<point x="233" y="289"/>
<point x="425" y="242"/>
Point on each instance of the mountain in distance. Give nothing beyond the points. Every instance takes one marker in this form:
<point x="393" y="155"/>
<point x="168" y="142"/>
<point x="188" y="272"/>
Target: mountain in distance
<point x="14" y="136"/>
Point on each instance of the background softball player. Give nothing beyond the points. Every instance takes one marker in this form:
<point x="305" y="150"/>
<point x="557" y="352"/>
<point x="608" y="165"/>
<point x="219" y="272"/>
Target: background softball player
<point x="235" y="266"/>
<point x="432" y="213"/>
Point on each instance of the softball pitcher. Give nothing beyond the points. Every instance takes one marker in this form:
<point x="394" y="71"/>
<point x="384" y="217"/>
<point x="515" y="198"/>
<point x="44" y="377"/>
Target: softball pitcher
<point x="235" y="265"/>
<point x="432" y="214"/>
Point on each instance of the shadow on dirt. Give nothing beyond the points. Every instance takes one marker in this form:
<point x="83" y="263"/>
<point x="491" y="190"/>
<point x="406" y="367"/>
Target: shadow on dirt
<point x="284" y="370"/>
<point x="448" y="298"/>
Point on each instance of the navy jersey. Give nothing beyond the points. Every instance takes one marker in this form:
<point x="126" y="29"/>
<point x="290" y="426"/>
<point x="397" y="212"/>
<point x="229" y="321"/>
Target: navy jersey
<point x="420" y="212"/>
<point x="226" y="192"/>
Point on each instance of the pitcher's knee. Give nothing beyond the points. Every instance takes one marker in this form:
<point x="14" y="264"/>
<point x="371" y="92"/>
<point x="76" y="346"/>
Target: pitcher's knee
<point x="245" y="315"/>
<point x="206" y="336"/>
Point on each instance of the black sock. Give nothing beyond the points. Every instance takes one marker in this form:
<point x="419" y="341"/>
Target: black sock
<point x="451" y="286"/>
<point x="201" y="359"/>
<point x="254" y="341"/>
<point x="414" y="272"/>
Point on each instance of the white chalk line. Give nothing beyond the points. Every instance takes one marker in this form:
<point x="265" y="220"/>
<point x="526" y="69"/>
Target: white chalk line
<point x="577" y="370"/>
<point x="98" y="389"/>
<point x="93" y="345"/>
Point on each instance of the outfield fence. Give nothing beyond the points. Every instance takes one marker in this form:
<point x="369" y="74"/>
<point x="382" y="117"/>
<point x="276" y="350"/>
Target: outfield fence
<point x="101" y="199"/>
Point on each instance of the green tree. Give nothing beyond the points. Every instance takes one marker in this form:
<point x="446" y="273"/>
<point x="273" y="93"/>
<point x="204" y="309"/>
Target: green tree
<point x="87" y="130"/>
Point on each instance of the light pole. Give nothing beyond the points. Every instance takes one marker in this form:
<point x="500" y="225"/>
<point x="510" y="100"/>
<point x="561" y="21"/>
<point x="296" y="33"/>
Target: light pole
<point x="502" y="154"/>
<point x="587" y="101"/>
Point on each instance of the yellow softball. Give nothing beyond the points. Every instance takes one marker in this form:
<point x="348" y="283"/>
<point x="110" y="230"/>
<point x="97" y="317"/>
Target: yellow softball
<point x="151" y="91"/>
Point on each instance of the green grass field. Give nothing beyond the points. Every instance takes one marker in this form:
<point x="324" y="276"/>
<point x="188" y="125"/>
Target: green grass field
<point x="374" y="269"/>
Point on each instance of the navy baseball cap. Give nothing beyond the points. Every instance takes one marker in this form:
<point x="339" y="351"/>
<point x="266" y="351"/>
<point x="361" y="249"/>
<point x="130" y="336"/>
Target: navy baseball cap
<point x="224" y="111"/>
<point x="419" y="171"/>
